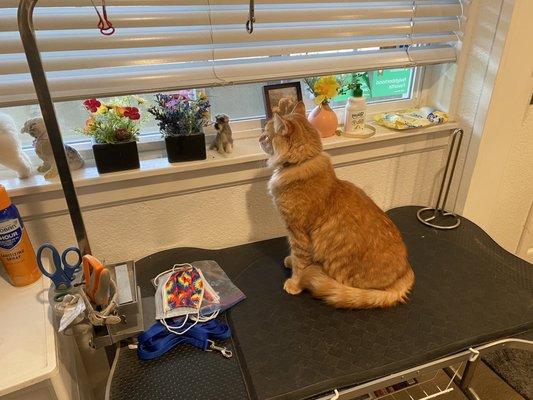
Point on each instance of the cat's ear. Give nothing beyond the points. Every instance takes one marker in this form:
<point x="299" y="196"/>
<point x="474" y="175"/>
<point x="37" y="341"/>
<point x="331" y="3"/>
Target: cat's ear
<point x="280" y="125"/>
<point x="299" y="108"/>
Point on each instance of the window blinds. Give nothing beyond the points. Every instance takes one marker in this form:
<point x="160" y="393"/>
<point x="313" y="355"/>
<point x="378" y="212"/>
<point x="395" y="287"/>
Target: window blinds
<point x="171" y="44"/>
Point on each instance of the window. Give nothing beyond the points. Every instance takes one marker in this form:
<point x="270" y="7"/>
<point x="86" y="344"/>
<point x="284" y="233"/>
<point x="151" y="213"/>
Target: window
<point x="203" y="44"/>
<point x="240" y="102"/>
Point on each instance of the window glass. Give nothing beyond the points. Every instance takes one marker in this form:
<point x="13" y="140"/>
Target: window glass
<point x="245" y="101"/>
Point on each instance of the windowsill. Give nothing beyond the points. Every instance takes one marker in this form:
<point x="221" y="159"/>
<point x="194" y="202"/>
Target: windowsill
<point x="155" y="163"/>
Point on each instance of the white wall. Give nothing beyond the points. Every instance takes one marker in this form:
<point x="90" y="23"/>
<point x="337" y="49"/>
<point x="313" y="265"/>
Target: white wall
<point x="500" y="193"/>
<point x="226" y="206"/>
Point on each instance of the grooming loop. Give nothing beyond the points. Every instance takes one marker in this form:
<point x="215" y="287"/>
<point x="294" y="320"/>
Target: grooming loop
<point x="411" y="33"/>
<point x="105" y="26"/>
<point x="437" y="217"/>
<point x="251" y="18"/>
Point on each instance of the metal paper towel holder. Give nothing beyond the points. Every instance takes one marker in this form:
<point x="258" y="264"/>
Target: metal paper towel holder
<point x="437" y="217"/>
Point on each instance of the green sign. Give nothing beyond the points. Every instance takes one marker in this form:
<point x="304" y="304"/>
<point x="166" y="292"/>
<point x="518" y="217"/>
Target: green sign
<point x="385" y="83"/>
<point x="390" y="82"/>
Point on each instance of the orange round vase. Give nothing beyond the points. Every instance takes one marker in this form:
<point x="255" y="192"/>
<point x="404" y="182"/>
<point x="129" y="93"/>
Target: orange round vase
<point x="324" y="119"/>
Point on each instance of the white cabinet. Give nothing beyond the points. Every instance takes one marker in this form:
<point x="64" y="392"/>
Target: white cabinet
<point x="35" y="363"/>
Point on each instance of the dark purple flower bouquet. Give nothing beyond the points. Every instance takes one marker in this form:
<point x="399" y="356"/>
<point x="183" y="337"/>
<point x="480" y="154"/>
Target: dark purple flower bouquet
<point x="179" y="114"/>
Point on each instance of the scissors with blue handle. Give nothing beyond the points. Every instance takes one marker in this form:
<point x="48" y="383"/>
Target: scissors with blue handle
<point x="63" y="273"/>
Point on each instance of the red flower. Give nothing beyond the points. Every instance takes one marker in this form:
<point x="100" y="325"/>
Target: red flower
<point x="92" y="104"/>
<point x="132" y="113"/>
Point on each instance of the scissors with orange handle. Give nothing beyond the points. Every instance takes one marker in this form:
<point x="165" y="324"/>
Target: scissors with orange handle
<point x="97" y="279"/>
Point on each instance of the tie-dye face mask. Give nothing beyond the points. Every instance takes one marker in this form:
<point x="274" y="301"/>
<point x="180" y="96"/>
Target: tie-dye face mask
<point x="184" y="289"/>
<point x="182" y="292"/>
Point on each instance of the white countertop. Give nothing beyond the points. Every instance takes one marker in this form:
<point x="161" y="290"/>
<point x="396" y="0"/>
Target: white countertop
<point x="27" y="340"/>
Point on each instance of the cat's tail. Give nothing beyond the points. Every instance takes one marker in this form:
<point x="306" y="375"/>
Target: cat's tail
<point x="338" y="295"/>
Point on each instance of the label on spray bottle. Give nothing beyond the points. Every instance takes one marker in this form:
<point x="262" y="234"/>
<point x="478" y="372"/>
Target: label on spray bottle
<point x="357" y="122"/>
<point x="16" y="251"/>
<point x="10" y="234"/>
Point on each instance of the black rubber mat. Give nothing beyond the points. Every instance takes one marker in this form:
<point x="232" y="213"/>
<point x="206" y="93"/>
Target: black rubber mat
<point x="186" y="373"/>
<point x="468" y="291"/>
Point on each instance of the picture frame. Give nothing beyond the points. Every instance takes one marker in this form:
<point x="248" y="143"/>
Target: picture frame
<point x="281" y="98"/>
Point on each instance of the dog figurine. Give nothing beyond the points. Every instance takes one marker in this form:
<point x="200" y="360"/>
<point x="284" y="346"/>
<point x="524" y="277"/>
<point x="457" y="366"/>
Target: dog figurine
<point x="223" y="142"/>
<point x="11" y="154"/>
<point x="35" y="128"/>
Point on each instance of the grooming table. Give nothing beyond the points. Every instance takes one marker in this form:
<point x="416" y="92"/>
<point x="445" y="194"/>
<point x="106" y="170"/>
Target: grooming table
<point x="469" y="293"/>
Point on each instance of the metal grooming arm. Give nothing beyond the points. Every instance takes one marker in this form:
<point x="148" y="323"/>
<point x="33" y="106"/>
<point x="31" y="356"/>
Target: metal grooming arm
<point x="27" y="34"/>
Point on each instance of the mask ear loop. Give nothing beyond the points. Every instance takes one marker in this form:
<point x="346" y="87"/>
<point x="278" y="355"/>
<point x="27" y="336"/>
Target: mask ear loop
<point x="214" y="314"/>
<point x="173" y="269"/>
<point x="173" y="328"/>
<point x="202" y="318"/>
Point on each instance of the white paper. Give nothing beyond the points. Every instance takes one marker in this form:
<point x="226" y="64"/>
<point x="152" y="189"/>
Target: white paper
<point x="71" y="313"/>
<point x="123" y="284"/>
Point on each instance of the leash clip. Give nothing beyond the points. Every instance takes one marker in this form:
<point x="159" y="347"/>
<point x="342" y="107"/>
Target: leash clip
<point x="222" y="350"/>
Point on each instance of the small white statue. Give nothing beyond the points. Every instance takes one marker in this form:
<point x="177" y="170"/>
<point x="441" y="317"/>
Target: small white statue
<point x="11" y="154"/>
<point x="223" y="142"/>
<point x="35" y="127"/>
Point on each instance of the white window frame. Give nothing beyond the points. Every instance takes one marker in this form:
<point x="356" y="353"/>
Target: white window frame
<point x="151" y="144"/>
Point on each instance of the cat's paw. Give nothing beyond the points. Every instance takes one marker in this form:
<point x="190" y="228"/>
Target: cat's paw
<point x="292" y="287"/>
<point x="287" y="262"/>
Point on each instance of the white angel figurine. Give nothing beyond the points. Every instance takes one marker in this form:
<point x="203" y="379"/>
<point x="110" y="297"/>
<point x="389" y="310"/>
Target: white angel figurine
<point x="11" y="154"/>
<point x="35" y="127"/>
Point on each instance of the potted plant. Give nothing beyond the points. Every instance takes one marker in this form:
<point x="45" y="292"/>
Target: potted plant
<point x="181" y="120"/>
<point x="349" y="83"/>
<point x="114" y="127"/>
<point x="323" y="118"/>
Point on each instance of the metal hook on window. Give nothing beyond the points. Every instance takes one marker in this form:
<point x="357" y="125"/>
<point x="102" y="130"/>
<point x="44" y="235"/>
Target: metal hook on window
<point x="105" y="26"/>
<point x="251" y="18"/>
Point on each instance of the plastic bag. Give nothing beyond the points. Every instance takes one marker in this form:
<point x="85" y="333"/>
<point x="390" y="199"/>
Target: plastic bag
<point x="229" y="293"/>
<point x="411" y="118"/>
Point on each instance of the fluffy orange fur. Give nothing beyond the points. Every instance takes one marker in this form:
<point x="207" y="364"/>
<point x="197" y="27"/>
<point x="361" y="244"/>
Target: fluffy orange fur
<point x="344" y="248"/>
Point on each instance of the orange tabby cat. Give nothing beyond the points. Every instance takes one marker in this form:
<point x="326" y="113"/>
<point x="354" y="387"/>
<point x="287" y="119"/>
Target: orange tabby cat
<point x="344" y="248"/>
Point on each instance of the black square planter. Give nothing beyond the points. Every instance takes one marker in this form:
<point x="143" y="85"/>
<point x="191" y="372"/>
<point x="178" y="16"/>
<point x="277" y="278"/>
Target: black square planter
<point x="186" y="147"/>
<point x="116" y="157"/>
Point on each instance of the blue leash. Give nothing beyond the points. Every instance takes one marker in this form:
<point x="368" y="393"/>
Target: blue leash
<point x="157" y="340"/>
